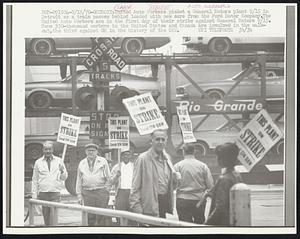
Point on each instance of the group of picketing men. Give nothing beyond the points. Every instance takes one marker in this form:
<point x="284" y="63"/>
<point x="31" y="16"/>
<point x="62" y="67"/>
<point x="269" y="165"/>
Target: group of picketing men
<point x="145" y="185"/>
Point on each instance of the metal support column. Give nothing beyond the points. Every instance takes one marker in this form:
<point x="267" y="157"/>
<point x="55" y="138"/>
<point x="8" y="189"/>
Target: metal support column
<point x="263" y="86"/>
<point x="73" y="67"/>
<point x="168" y="69"/>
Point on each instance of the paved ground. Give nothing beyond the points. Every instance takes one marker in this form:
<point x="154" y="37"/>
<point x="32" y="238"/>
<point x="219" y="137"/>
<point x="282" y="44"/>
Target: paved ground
<point x="267" y="208"/>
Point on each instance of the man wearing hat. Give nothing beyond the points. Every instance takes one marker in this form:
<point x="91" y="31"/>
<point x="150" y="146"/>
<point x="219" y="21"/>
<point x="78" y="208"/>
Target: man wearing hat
<point x="49" y="173"/>
<point x="93" y="177"/>
<point x="122" y="179"/>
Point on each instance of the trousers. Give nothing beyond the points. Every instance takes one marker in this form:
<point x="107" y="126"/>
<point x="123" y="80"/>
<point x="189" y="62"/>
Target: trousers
<point x="188" y="212"/>
<point x="96" y="198"/>
<point x="122" y="203"/>
<point x="48" y="196"/>
<point x="162" y="205"/>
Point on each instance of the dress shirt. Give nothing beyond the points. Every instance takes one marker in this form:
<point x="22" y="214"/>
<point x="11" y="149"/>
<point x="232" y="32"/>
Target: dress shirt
<point x="126" y="175"/>
<point x="196" y="178"/>
<point x="163" y="171"/>
<point x="95" y="179"/>
<point x="45" y="180"/>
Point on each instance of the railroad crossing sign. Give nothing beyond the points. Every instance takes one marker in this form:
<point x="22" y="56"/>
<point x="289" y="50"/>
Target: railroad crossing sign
<point x="104" y="48"/>
<point x="99" y="59"/>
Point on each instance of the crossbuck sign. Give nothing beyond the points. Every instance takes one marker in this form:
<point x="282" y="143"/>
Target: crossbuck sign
<point x="104" y="48"/>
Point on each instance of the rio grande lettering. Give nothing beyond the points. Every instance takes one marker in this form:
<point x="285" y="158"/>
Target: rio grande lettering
<point x="221" y="106"/>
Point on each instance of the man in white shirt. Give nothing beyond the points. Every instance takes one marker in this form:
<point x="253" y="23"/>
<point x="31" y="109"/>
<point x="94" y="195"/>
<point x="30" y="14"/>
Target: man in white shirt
<point x="123" y="180"/>
<point x="49" y="173"/>
<point x="93" y="178"/>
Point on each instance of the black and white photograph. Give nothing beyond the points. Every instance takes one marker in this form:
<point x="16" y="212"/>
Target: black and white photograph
<point x="136" y="131"/>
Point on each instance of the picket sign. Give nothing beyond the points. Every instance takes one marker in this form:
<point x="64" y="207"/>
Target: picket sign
<point x="118" y="135"/>
<point x="145" y="113"/>
<point x="257" y="138"/>
<point x="185" y="124"/>
<point x="68" y="131"/>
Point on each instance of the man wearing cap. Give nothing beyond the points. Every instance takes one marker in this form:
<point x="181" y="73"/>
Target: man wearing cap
<point x="122" y="179"/>
<point x="49" y="173"/>
<point x="153" y="178"/>
<point x="93" y="177"/>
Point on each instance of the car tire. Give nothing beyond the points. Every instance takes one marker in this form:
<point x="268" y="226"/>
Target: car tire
<point x="201" y="148"/>
<point x="215" y="94"/>
<point x="70" y="182"/>
<point x="280" y="147"/>
<point x="219" y="45"/>
<point x="40" y="100"/>
<point x="33" y="151"/>
<point x="86" y="98"/>
<point x="42" y="46"/>
<point x="133" y="45"/>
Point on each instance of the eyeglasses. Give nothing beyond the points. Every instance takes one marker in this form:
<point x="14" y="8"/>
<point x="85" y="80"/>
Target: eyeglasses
<point x="160" y="139"/>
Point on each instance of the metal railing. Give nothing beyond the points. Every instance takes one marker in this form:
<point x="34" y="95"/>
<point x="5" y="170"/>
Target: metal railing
<point x="154" y="221"/>
<point x="240" y="211"/>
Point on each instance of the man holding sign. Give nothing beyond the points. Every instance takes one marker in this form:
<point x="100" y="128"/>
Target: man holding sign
<point x="49" y="173"/>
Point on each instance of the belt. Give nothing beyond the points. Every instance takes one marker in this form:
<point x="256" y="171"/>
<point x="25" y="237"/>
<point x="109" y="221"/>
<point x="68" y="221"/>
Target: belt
<point x="162" y="195"/>
<point x="94" y="189"/>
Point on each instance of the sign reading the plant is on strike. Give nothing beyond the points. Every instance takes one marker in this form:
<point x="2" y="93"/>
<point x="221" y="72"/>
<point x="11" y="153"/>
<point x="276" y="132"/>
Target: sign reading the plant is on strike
<point x="145" y="113"/>
<point x="257" y="138"/>
<point x="69" y="129"/>
<point x="118" y="132"/>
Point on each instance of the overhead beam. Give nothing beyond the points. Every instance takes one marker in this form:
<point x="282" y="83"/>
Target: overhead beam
<point x="179" y="58"/>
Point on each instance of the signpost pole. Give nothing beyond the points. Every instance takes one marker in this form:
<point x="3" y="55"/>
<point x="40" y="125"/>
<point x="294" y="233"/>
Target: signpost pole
<point x="119" y="163"/>
<point x="64" y="152"/>
<point x="119" y="160"/>
<point x="100" y="107"/>
<point x="99" y="59"/>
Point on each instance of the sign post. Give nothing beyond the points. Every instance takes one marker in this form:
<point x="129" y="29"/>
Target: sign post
<point x="68" y="131"/>
<point x="257" y="138"/>
<point x="99" y="59"/>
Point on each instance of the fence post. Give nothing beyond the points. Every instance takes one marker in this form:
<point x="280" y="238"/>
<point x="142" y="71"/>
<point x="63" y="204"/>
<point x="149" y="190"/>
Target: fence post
<point x="240" y="205"/>
<point x="31" y="213"/>
<point x="123" y="221"/>
<point x="53" y="216"/>
<point x="84" y="218"/>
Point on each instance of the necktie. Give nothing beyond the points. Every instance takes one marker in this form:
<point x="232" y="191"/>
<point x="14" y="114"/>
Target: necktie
<point x="91" y="165"/>
<point x="48" y="163"/>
